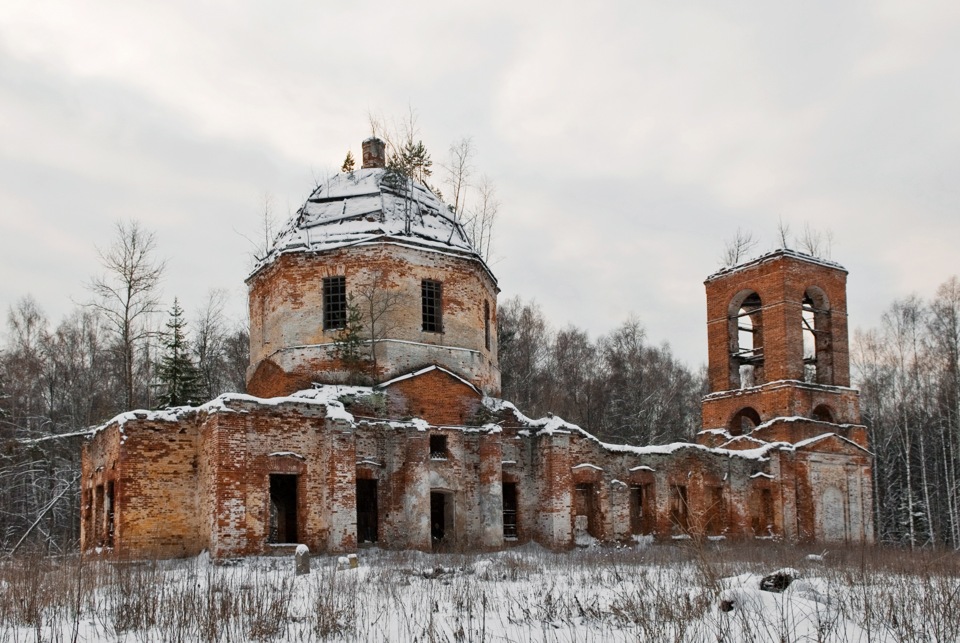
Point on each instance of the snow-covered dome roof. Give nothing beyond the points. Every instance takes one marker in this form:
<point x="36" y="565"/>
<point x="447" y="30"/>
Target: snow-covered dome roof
<point x="366" y="206"/>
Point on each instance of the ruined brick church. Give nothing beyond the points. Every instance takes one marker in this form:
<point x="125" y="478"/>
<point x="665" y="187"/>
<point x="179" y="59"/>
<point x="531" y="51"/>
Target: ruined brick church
<point x="375" y="277"/>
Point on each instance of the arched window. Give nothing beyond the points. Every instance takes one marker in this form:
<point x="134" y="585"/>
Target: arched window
<point x="746" y="340"/>
<point x="815" y="320"/>
<point x="822" y="413"/>
<point x="744" y="421"/>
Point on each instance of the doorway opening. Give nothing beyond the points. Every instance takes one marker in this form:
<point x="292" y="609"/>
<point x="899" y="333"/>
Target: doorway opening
<point x="679" y="510"/>
<point x="510" y="510"/>
<point x="441" y="518"/>
<point x="763" y="512"/>
<point x="98" y="516"/>
<point x="283" y="508"/>
<point x="367" y="526"/>
<point x="110" y="513"/>
<point x="715" y="518"/>
<point x="641" y="509"/>
<point x="583" y="505"/>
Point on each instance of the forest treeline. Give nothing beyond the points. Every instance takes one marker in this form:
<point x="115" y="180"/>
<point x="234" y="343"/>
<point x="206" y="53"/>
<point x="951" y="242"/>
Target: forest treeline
<point x="907" y="373"/>
<point x="60" y="379"/>
<point x="103" y="358"/>
<point x="621" y="387"/>
<point x="64" y="378"/>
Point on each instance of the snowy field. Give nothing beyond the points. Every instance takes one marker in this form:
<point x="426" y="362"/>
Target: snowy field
<point x="658" y="593"/>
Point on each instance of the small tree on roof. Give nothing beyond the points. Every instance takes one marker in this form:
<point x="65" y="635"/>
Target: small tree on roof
<point x="350" y="343"/>
<point x="180" y="381"/>
<point x="348" y="163"/>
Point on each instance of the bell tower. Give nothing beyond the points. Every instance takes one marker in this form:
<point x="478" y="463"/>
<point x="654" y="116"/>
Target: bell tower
<point x="778" y="347"/>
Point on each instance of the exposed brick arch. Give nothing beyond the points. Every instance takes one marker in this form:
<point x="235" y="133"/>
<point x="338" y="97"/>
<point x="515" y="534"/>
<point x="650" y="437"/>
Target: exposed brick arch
<point x="744" y="421"/>
<point x="269" y="380"/>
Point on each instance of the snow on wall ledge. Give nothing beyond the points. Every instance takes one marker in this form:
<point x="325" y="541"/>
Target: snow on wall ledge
<point x="193" y="478"/>
<point x="771" y="256"/>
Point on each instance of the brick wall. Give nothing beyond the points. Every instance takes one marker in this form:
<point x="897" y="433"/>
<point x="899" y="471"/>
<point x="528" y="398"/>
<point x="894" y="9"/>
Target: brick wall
<point x="435" y="396"/>
<point x="782" y="399"/>
<point x="286" y="316"/>
<point x="204" y="483"/>
<point x="153" y="467"/>
<point x="780" y="279"/>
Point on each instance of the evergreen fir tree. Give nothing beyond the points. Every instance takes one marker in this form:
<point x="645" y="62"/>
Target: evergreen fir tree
<point x="411" y="161"/>
<point x="180" y="381"/>
<point x="350" y="345"/>
<point x="417" y="160"/>
<point x="348" y="163"/>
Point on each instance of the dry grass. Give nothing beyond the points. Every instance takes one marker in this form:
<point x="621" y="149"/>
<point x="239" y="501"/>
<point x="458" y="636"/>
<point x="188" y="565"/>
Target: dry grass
<point x="660" y="593"/>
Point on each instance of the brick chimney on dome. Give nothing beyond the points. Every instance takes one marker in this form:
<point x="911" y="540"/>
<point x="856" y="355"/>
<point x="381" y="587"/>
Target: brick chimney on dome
<point x="374" y="153"/>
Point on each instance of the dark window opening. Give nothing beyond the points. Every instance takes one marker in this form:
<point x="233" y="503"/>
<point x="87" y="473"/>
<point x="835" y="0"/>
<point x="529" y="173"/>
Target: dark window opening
<point x="334" y="303"/>
<point x="679" y="514"/>
<point x="110" y="514"/>
<point x="98" y="515"/>
<point x="441" y="518"/>
<point x="641" y="509"/>
<point x="584" y="505"/>
<point x="746" y="343"/>
<point x="263" y="323"/>
<point x="432" y="296"/>
<point x="86" y="504"/>
<point x="763" y="513"/>
<point x="367" y="523"/>
<point x="745" y="421"/>
<point x="486" y="324"/>
<point x="438" y="447"/>
<point x="823" y="414"/>
<point x="716" y="511"/>
<point x="510" y="510"/>
<point x="283" y="508"/>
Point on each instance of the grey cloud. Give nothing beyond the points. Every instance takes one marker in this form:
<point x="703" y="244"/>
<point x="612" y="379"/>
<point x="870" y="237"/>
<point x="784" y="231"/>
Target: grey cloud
<point x="626" y="141"/>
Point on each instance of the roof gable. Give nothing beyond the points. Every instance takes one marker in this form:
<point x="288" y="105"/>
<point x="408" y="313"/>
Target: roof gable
<point x="830" y="443"/>
<point x="425" y="371"/>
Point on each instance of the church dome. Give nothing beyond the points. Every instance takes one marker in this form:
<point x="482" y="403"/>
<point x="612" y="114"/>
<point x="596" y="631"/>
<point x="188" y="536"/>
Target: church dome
<point x="382" y="254"/>
<point x="371" y="205"/>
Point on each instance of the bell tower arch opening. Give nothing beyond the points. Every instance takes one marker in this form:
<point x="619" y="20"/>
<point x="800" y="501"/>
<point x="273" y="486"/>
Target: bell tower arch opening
<point x="777" y="341"/>
<point x="817" y="332"/>
<point x="746" y="340"/>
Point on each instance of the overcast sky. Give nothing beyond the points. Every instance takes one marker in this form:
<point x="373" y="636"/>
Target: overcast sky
<point x="626" y="140"/>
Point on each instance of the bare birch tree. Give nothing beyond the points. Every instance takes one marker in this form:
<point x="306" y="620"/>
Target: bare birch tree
<point x="474" y="206"/>
<point x="262" y="239"/>
<point x="816" y="243"/>
<point x="376" y="302"/>
<point x="736" y="248"/>
<point x="209" y="340"/>
<point x="783" y="233"/>
<point x="480" y="220"/>
<point x="459" y="170"/>
<point x="129" y="293"/>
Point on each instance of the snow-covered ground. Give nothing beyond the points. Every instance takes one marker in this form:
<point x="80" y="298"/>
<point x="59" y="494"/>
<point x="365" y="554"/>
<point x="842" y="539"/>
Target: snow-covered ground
<point x="647" y="593"/>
